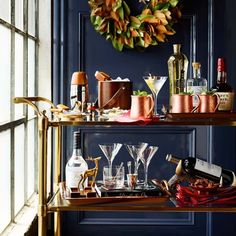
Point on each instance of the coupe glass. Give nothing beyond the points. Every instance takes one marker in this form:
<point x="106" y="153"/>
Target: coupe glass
<point x="110" y="150"/>
<point x="135" y="151"/>
<point x="146" y="157"/>
<point x="155" y="84"/>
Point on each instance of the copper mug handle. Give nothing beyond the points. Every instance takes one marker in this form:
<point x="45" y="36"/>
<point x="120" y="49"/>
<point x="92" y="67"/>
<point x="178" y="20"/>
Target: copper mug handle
<point x="218" y="101"/>
<point x="198" y="104"/>
<point x="152" y="106"/>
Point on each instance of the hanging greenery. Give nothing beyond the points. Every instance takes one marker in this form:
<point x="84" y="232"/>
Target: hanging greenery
<point x="114" y="20"/>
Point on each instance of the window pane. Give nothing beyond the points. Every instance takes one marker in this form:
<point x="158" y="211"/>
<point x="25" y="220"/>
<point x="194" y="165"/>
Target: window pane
<point x="5" y="10"/>
<point x="31" y="18"/>
<point x="19" y="59"/>
<point x="5" y="179"/>
<point x="31" y="158"/>
<point x="5" y="44"/>
<point x="19" y="14"/>
<point x="31" y="73"/>
<point x="19" y="170"/>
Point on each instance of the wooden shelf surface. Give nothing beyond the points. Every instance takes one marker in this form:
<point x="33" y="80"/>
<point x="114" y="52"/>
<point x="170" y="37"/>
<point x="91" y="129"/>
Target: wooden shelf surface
<point x="151" y="204"/>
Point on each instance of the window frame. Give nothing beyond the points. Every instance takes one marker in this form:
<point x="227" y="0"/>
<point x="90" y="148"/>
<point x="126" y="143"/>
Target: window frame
<point x="17" y="122"/>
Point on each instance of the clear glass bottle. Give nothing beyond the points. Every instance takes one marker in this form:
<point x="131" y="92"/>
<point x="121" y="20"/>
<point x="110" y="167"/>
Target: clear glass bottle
<point x="76" y="164"/>
<point x="178" y="69"/>
<point x="197" y="84"/>
<point x="222" y="88"/>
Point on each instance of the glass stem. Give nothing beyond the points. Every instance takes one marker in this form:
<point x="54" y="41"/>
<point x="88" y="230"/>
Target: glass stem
<point x="155" y="104"/>
<point x="110" y="167"/>
<point x="146" y="175"/>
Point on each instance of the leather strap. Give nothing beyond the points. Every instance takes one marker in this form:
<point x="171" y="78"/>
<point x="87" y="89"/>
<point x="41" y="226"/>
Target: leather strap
<point x="114" y="98"/>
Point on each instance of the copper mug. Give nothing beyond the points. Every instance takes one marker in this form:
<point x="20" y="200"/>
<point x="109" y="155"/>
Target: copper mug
<point x="183" y="103"/>
<point x="209" y="103"/>
<point x="141" y="106"/>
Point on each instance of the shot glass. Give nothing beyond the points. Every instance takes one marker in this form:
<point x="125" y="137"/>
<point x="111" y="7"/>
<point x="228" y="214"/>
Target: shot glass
<point x="113" y="178"/>
<point x="132" y="181"/>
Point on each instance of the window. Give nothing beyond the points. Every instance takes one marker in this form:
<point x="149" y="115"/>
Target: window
<point x="19" y="45"/>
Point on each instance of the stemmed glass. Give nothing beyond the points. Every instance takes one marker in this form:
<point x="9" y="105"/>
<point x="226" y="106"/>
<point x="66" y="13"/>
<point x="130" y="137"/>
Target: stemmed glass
<point x="146" y="157"/>
<point x="155" y="84"/>
<point x="135" y="152"/>
<point x="110" y="150"/>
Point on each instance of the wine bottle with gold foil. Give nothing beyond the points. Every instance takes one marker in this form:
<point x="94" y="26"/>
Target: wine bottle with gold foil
<point x="222" y="88"/>
<point x="178" y="68"/>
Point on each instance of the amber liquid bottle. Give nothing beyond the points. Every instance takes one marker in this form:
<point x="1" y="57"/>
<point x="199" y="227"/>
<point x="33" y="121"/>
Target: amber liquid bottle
<point x="222" y="88"/>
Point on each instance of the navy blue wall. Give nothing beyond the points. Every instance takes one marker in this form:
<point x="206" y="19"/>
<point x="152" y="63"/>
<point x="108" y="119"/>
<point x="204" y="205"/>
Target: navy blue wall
<point x="206" y="32"/>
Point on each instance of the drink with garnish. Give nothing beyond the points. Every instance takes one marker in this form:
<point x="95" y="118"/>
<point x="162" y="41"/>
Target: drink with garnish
<point x="155" y="84"/>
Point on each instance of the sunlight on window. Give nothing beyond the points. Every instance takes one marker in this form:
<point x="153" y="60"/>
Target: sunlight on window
<point x="31" y="21"/>
<point x="19" y="14"/>
<point x="19" y="84"/>
<point x="31" y="73"/>
<point x="5" y="179"/>
<point x="5" y="47"/>
<point x="31" y="158"/>
<point x="19" y="169"/>
<point x="5" y="10"/>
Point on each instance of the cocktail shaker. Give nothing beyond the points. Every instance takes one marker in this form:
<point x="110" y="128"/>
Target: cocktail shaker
<point x="79" y="90"/>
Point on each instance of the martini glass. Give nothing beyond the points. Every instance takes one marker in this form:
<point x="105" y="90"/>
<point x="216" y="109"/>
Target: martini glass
<point x="146" y="157"/>
<point x="110" y="150"/>
<point x="155" y="84"/>
<point x="135" y="151"/>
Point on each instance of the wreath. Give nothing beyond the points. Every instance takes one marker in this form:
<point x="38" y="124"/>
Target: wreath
<point x="114" y="20"/>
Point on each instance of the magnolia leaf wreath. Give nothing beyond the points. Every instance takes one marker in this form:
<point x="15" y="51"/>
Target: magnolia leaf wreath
<point x="114" y="20"/>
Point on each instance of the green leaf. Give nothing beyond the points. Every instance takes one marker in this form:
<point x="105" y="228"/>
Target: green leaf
<point x="140" y="42"/>
<point x="118" y="5"/>
<point x="98" y="20"/>
<point x="126" y="8"/>
<point x="143" y="17"/>
<point x="162" y="6"/>
<point x="121" y="13"/>
<point x="118" y="46"/>
<point x="173" y="3"/>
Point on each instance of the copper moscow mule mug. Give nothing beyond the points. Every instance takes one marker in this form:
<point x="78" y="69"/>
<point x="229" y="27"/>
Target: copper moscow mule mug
<point x="141" y="106"/>
<point x="183" y="103"/>
<point x="209" y="103"/>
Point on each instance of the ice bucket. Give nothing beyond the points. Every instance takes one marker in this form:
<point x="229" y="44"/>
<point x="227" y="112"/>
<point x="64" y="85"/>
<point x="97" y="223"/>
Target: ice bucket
<point x="114" y="93"/>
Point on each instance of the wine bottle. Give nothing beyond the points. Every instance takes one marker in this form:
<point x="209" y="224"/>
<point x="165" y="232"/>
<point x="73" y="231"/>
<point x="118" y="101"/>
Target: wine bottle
<point x="198" y="168"/>
<point x="222" y="88"/>
<point x="197" y="84"/>
<point x="76" y="164"/>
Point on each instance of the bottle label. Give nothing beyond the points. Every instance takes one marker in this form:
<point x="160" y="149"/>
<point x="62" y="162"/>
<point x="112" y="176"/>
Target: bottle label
<point x="226" y="101"/>
<point x="208" y="168"/>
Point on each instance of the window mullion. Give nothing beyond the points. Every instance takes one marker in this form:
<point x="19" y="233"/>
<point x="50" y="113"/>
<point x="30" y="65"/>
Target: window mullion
<point x="12" y="108"/>
<point x="25" y="76"/>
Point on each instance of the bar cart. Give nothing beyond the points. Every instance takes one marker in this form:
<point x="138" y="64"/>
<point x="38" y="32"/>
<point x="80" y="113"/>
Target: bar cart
<point x="57" y="204"/>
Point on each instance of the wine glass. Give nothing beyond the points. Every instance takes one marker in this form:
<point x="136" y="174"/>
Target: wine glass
<point x="135" y="151"/>
<point x="155" y="84"/>
<point x="146" y="157"/>
<point x="110" y="150"/>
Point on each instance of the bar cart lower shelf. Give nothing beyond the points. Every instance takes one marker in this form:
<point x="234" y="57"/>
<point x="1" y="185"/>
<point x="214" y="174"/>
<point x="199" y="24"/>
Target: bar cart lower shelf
<point x="57" y="204"/>
<point x="160" y="204"/>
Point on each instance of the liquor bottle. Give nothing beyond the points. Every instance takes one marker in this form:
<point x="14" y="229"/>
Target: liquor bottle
<point x="197" y="84"/>
<point x="76" y="164"/>
<point x="222" y="88"/>
<point x="178" y="68"/>
<point x="198" y="168"/>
